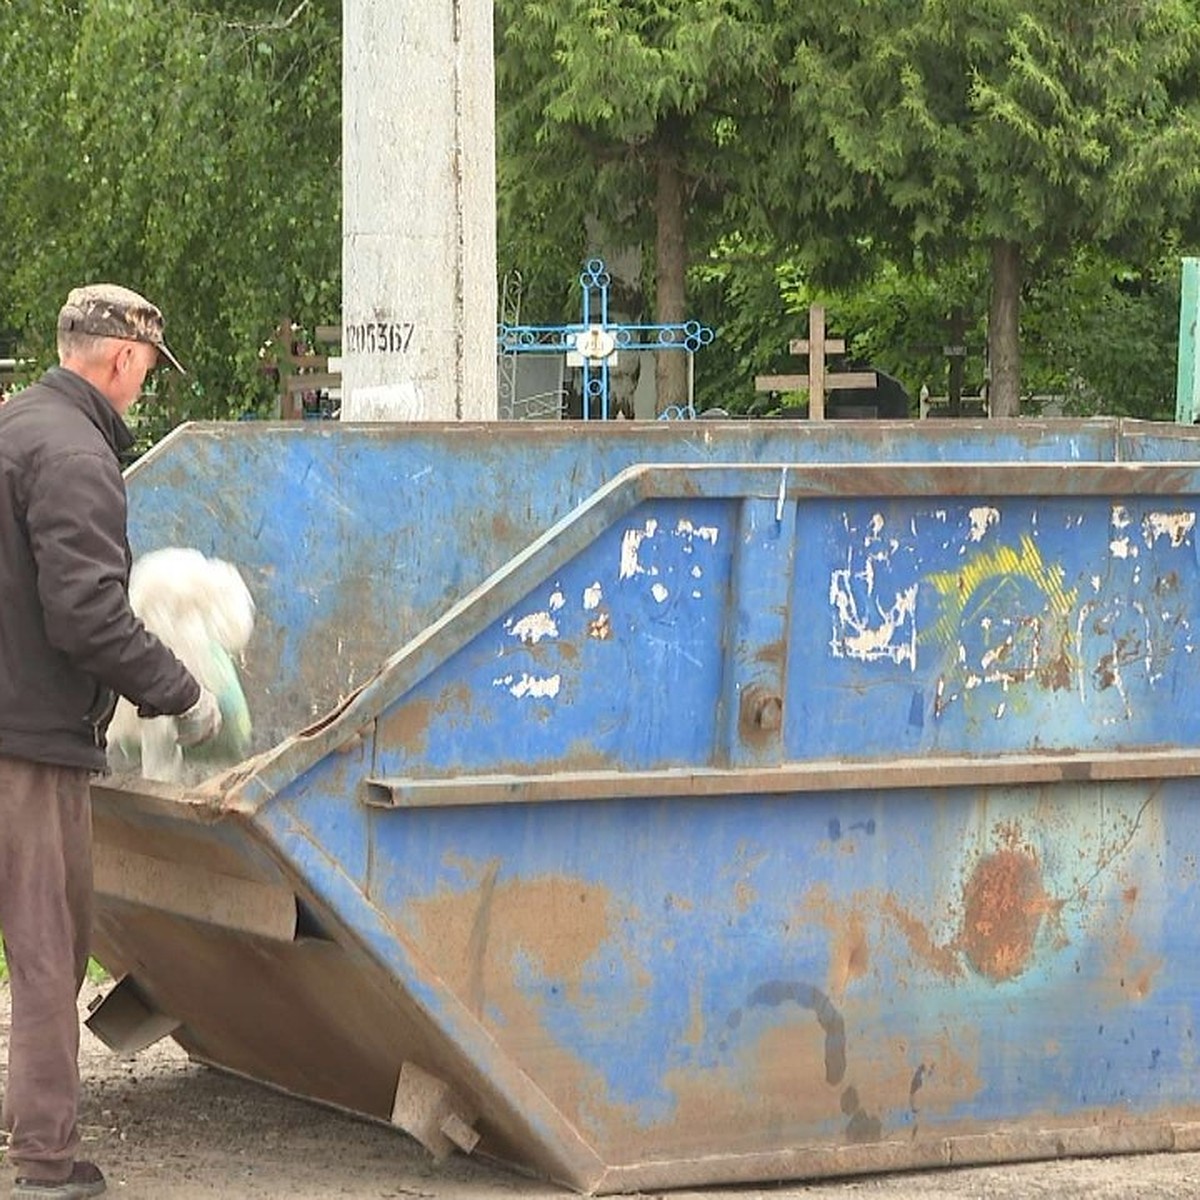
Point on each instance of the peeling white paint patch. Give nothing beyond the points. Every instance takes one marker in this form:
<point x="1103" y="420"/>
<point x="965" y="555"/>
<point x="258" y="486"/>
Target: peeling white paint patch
<point x="592" y="596"/>
<point x="705" y="533"/>
<point x="696" y="595"/>
<point x="534" y="627"/>
<point x="539" y="688"/>
<point x="1176" y="526"/>
<point x="697" y="573"/>
<point x="1095" y="583"/>
<point x="890" y="634"/>
<point x="1120" y="517"/>
<point x="557" y="601"/>
<point x="997" y="654"/>
<point x="1000" y="710"/>
<point x="1122" y="548"/>
<point x="660" y="593"/>
<point x="981" y="520"/>
<point x="631" y="544"/>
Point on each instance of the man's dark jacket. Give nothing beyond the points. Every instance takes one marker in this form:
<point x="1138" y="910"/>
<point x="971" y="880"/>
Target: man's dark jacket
<point x="69" y="641"/>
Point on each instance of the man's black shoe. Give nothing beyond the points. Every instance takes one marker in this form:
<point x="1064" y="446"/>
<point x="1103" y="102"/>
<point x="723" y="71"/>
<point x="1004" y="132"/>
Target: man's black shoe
<point x="85" y="1180"/>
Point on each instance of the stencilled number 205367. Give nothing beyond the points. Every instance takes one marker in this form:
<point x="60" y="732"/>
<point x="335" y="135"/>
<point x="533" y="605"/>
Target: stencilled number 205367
<point x="379" y="337"/>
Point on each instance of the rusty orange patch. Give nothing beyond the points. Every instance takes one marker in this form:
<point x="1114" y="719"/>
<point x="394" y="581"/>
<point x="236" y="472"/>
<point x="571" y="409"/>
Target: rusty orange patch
<point x="1004" y="902"/>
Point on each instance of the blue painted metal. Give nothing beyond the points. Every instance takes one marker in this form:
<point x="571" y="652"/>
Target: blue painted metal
<point x="696" y="802"/>
<point x="596" y="339"/>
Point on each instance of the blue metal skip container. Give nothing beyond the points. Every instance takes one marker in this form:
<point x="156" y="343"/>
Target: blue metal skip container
<point x="666" y="806"/>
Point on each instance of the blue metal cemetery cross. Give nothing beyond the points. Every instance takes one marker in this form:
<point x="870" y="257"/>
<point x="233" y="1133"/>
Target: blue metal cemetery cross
<point x="594" y="344"/>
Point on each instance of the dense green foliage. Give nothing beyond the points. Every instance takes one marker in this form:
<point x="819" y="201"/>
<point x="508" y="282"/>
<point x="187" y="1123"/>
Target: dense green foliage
<point x="1025" y="129"/>
<point x="596" y="99"/>
<point x="879" y="157"/>
<point x="1097" y="334"/>
<point x="190" y="152"/>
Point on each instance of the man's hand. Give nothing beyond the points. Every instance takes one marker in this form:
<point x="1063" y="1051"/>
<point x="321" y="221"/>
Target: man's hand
<point x="201" y="723"/>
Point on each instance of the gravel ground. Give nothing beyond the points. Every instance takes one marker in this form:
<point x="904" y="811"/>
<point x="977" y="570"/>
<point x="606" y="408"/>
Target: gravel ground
<point x="162" y="1127"/>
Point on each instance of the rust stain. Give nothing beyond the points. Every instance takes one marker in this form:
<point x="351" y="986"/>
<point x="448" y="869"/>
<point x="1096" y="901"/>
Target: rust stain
<point x="1058" y="673"/>
<point x="1129" y="973"/>
<point x="407" y="726"/>
<point x="1004" y="903"/>
<point x="723" y="1099"/>
<point x="1005" y="910"/>
<point x="1143" y="983"/>
<point x="697" y="1026"/>
<point x="795" y="1053"/>
<point x="850" y="954"/>
<point x="849" y="944"/>
<point x="503" y="530"/>
<point x="744" y="896"/>
<point x="558" y="922"/>
<point x="773" y="652"/>
<point x="943" y="960"/>
<point x="480" y="936"/>
<point x="1107" y="670"/>
<point x="791" y="1076"/>
<point x="600" y="627"/>
<point x="804" y="1070"/>
<point x="476" y="941"/>
<point x="931" y="1077"/>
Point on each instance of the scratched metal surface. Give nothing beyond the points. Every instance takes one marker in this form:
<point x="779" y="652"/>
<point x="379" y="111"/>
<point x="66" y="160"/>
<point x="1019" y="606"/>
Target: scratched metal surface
<point x="603" y="845"/>
<point x="354" y="539"/>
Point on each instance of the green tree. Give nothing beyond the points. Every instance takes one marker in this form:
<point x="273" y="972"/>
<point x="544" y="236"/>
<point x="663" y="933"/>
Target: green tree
<point x="193" y="154"/>
<point x="36" y="42"/>
<point x="1099" y="335"/>
<point x="635" y="114"/>
<point x="892" y="319"/>
<point x="1025" y="127"/>
<point x="1103" y="335"/>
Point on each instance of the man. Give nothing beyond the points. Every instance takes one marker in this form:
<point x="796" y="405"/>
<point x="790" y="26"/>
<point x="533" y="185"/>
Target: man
<point x="69" y="645"/>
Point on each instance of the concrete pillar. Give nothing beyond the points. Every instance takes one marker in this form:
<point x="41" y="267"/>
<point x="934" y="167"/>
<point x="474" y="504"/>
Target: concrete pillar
<point x="419" y="211"/>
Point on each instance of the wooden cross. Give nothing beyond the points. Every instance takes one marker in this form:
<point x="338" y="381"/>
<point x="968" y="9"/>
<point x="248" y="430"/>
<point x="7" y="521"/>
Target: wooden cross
<point x="816" y="346"/>
<point x="300" y="371"/>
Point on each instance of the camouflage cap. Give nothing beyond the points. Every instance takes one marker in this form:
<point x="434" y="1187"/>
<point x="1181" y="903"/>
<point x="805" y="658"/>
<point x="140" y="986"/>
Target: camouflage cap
<point x="107" y="310"/>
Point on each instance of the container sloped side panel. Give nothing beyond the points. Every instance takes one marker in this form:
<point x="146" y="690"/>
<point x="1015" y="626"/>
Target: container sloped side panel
<point x="798" y="822"/>
<point x="354" y="539"/>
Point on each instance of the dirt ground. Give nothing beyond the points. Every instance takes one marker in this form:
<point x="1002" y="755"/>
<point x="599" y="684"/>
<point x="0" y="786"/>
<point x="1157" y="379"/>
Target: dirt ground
<point x="163" y="1128"/>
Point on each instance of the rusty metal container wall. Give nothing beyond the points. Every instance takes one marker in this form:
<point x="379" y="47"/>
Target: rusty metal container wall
<point x="355" y="539"/>
<point x="691" y="805"/>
